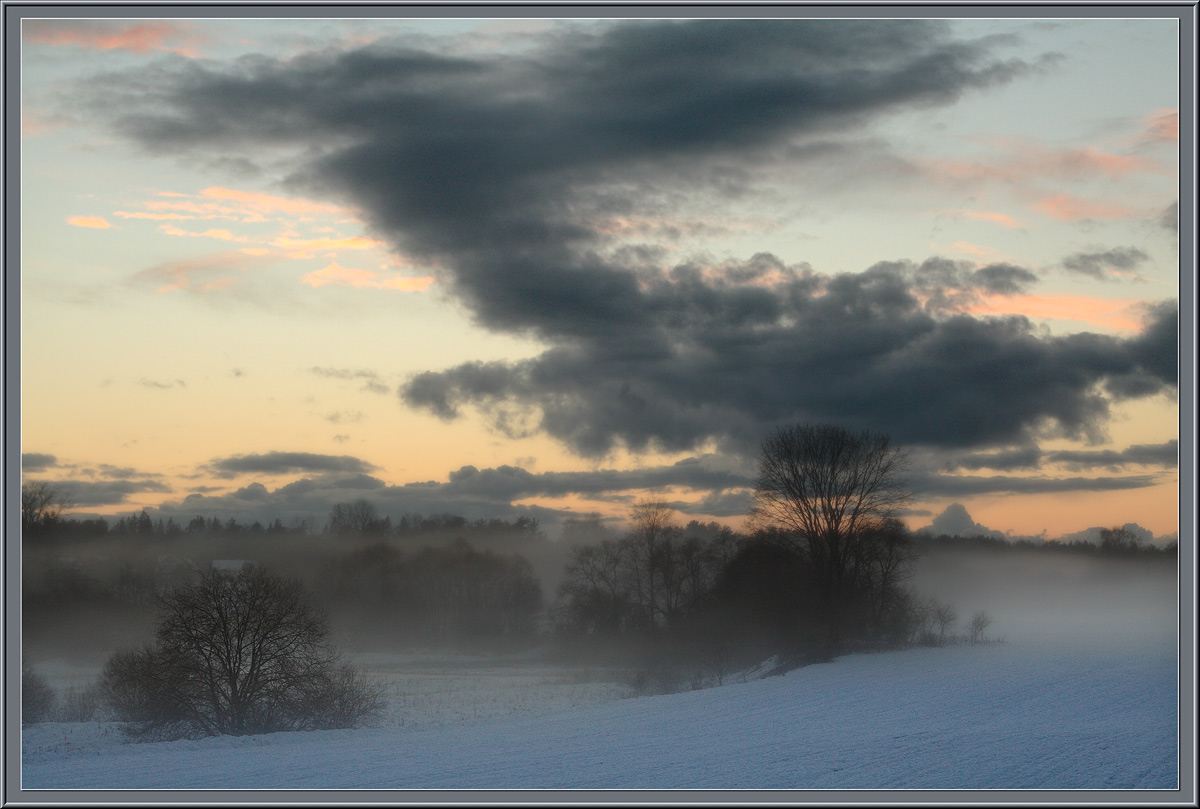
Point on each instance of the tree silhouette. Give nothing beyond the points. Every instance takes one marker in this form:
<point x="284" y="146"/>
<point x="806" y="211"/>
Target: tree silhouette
<point x="237" y="653"/>
<point x="41" y="506"/>
<point x="830" y="490"/>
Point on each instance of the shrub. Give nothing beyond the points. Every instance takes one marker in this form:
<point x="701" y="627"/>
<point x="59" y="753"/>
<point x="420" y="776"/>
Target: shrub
<point x="236" y="654"/>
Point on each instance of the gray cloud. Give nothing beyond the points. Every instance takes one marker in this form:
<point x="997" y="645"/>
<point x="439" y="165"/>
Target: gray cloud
<point x="344" y="417"/>
<point x="506" y="491"/>
<point x="502" y="169"/>
<point x="477" y="493"/>
<point x="371" y="383"/>
<point x="81" y="493"/>
<point x="126" y="472"/>
<point x="343" y="373"/>
<point x="963" y="485"/>
<point x="1092" y="534"/>
<point x="1169" y="218"/>
<point x="856" y="349"/>
<point x="276" y="463"/>
<point x="160" y="385"/>
<point x="1098" y="264"/>
<point x="511" y="483"/>
<point x="1164" y="455"/>
<point x="37" y="461"/>
<point x="955" y="521"/>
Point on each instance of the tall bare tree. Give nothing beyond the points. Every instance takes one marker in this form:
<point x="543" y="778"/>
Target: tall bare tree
<point x="829" y="489"/>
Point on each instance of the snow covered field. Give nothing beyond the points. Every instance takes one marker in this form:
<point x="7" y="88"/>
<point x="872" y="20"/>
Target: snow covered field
<point x="1079" y="697"/>
<point x="995" y="716"/>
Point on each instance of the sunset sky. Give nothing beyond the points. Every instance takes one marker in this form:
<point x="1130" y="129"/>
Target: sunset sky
<point x="502" y="267"/>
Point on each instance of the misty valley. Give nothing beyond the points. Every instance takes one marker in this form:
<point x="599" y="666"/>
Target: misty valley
<point x="450" y="623"/>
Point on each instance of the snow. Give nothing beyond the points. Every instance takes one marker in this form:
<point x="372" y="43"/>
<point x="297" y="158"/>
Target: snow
<point x="1084" y="694"/>
<point x="995" y="716"/>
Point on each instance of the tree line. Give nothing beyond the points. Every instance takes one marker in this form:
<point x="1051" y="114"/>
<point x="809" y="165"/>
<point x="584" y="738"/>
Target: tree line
<point x="822" y="570"/>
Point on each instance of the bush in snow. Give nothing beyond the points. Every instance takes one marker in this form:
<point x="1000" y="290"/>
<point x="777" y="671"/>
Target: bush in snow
<point x="237" y="653"/>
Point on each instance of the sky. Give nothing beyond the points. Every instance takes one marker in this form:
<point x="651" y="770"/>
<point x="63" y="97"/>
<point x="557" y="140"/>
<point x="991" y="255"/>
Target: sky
<point x="550" y="267"/>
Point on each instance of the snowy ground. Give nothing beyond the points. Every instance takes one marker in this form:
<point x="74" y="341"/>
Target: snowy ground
<point x="1083" y="695"/>
<point x="994" y="717"/>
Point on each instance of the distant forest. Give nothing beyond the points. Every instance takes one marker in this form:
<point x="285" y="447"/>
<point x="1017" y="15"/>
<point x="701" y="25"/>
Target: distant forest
<point x="653" y="595"/>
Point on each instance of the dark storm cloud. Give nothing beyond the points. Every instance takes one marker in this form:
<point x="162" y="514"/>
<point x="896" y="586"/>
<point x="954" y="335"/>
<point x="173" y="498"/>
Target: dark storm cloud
<point x="282" y="462"/>
<point x="1165" y="455"/>
<point x="1004" y="460"/>
<point x="37" y="461"/>
<point x="1098" y="265"/>
<point x="502" y="169"/>
<point x="855" y="349"/>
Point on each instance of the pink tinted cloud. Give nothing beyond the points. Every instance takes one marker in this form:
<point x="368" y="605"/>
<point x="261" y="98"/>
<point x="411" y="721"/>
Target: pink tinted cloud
<point x="1163" y="125"/>
<point x="310" y="245"/>
<point x="212" y="233"/>
<point x="195" y="274"/>
<point x="1120" y="315"/>
<point x="35" y="122"/>
<point x="268" y="204"/>
<point x="236" y="205"/>
<point x="347" y="276"/>
<point x="141" y="37"/>
<point x="153" y="216"/>
<point x="993" y="216"/>
<point x="967" y="248"/>
<point x="97" y="222"/>
<point x="1068" y="208"/>
<point x="1021" y="160"/>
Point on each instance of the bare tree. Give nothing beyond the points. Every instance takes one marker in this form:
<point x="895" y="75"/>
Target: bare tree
<point x="359" y="517"/>
<point x="980" y="621"/>
<point x="944" y="617"/>
<point x="594" y="590"/>
<point x="41" y="505"/>
<point x="883" y="558"/>
<point x="236" y="653"/>
<point x="827" y="488"/>
<point x="1119" y="540"/>
<point x="648" y="559"/>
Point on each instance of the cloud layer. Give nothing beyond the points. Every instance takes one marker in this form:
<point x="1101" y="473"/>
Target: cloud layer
<point x="507" y="173"/>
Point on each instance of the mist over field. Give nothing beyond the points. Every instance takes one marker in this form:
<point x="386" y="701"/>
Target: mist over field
<point x="1077" y="689"/>
<point x="616" y="403"/>
<point x="1074" y="686"/>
